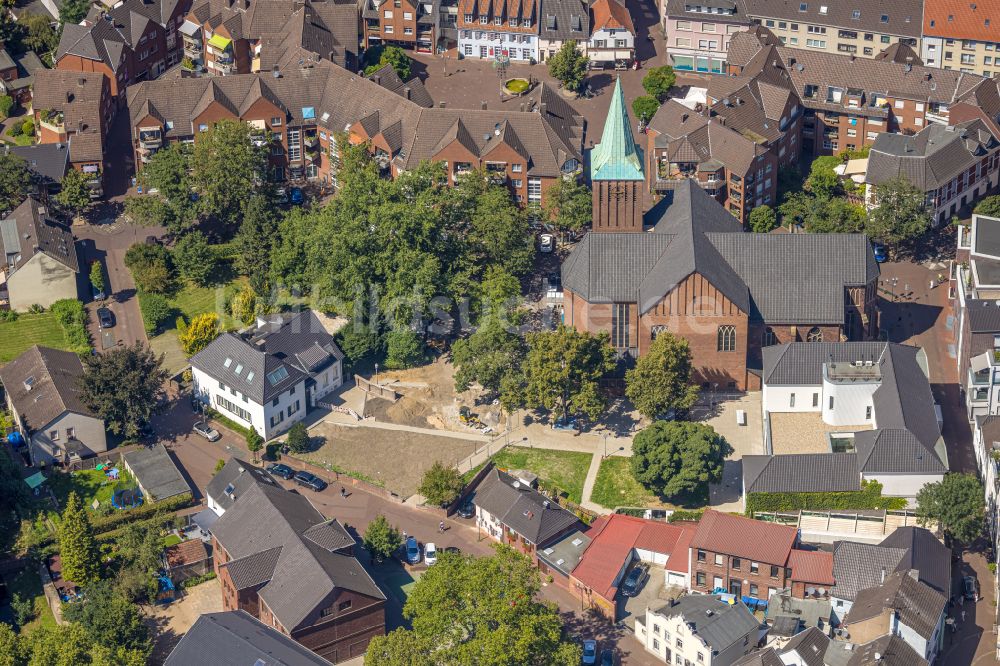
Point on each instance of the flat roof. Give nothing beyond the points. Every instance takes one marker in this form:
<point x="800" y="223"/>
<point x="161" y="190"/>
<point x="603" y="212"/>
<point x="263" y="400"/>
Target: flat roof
<point x="565" y="554"/>
<point x="156" y="472"/>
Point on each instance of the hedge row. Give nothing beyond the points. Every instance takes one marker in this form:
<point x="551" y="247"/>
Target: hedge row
<point x="868" y="498"/>
<point x="72" y="318"/>
<point x="681" y="514"/>
<point x="119" y="518"/>
<point x="197" y="580"/>
<point x="158" y="520"/>
<point x="229" y="423"/>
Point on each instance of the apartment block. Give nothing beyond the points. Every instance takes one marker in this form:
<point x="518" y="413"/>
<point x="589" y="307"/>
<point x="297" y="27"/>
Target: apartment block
<point x="498" y="28"/>
<point x="958" y="35"/>
<point x="698" y="32"/>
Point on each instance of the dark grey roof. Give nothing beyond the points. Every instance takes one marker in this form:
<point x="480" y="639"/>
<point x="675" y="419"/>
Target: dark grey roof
<point x="299" y="340"/>
<point x="890" y="650"/>
<point x="236" y="638"/>
<point x="522" y="508"/>
<point x="240" y="475"/>
<point x="564" y="19"/>
<point x="413" y="89"/>
<point x="254" y="569"/>
<point x="156" y="472"/>
<point x="810" y="645"/>
<point x="48" y="161"/>
<point x="252" y="363"/>
<point x="304" y="576"/>
<point x="986" y="239"/>
<point x="932" y="157"/>
<point x="52" y="375"/>
<point x="801" y="473"/>
<point x="6" y="62"/>
<point x="564" y="554"/>
<point x="859" y="566"/>
<point x="925" y="553"/>
<point x="785" y="626"/>
<point x="895" y="451"/>
<point x="28" y="230"/>
<point x="722" y="627"/>
<point x="797" y="364"/>
<point x="784" y="278"/>
<point x="903" y="17"/>
<point x="984" y="315"/>
<point x="765" y="657"/>
<point x="330" y="535"/>
<point x="918" y="606"/>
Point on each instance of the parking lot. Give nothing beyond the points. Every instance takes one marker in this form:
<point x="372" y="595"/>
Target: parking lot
<point x="653" y="592"/>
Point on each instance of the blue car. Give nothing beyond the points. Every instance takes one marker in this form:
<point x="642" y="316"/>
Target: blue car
<point x="296" y="196"/>
<point x="880" y="253"/>
<point x="412" y="551"/>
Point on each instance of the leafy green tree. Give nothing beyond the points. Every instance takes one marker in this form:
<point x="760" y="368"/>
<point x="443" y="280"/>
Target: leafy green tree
<point x="73" y="11"/>
<point x="199" y="333"/>
<point x="151" y="267"/>
<point x="97" y="276"/>
<point x="255" y="242"/>
<point x="569" y="204"/>
<point x="823" y="181"/>
<point x="569" y="65"/>
<point x="990" y="206"/>
<point x="146" y="210"/>
<point x="226" y="165"/>
<point x="499" y="233"/>
<point x="487" y="356"/>
<point x="388" y="55"/>
<point x="499" y="293"/>
<point x="12" y="652"/>
<point x="675" y="458"/>
<point x="244" y="305"/>
<point x="38" y="33"/>
<point x="645" y="107"/>
<point x="477" y="610"/>
<point x="65" y="645"/>
<point x="254" y="442"/>
<point x="901" y="216"/>
<point x="110" y="619"/>
<point x="15" y="182"/>
<point x="404" y="349"/>
<point x="661" y="379"/>
<point x="123" y="386"/>
<point x="763" y="219"/>
<point x="359" y="341"/>
<point x="819" y="215"/>
<point x="562" y="370"/>
<point x="381" y="539"/>
<point x="81" y="558"/>
<point x="24" y="609"/>
<point x="219" y="464"/>
<point x="658" y="81"/>
<point x="156" y="312"/>
<point x="169" y="172"/>
<point x="6" y="106"/>
<point x="138" y="548"/>
<point x="195" y="259"/>
<point x="74" y="192"/>
<point x="298" y="438"/>
<point x="441" y="484"/>
<point x="956" y="504"/>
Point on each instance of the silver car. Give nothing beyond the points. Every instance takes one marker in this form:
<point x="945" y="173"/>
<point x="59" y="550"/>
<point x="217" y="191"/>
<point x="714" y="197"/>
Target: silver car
<point x="207" y="431"/>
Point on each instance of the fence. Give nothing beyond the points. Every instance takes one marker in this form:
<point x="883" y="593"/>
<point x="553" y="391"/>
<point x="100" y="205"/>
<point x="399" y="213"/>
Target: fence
<point x="378" y="390"/>
<point x="333" y="476"/>
<point x="829" y="526"/>
<point x="112" y="456"/>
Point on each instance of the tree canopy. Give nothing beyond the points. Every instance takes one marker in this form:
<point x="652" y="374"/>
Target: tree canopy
<point x="441" y="484"/>
<point x="226" y="165"/>
<point x="199" y="333"/>
<point x="569" y="204"/>
<point x="388" y="55"/>
<point x="763" y="220"/>
<point x="956" y="503"/>
<point x="151" y="267"/>
<point x="569" y="65"/>
<point x="381" y="539"/>
<point x="255" y="242"/>
<point x="661" y="379"/>
<point x="645" y="107"/>
<point x="658" y="81"/>
<point x="298" y="438"/>
<point x="111" y="620"/>
<point x="901" y="216"/>
<point x="195" y="259"/>
<point x="169" y="172"/>
<point x="81" y="558"/>
<point x="989" y="206"/>
<point x="676" y="458"/>
<point x="123" y="386"/>
<point x="488" y="356"/>
<point x="480" y="610"/>
<point x="15" y="181"/>
<point x="74" y="192"/>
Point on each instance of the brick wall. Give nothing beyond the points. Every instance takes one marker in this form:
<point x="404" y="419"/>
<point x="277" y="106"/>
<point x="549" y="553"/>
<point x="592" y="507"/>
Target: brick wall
<point x="736" y="570"/>
<point x="345" y="633"/>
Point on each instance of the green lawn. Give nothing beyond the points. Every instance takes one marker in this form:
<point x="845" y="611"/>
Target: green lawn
<point x="193" y="300"/>
<point x="615" y="485"/>
<point x="566" y="470"/>
<point x="29" y="586"/>
<point x="171" y="540"/>
<point x="89" y="484"/>
<point x="30" y="329"/>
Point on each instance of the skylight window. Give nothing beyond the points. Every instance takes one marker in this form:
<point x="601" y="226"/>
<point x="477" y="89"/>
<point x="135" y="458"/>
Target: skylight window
<point x="239" y="368"/>
<point x="276" y="376"/>
<point x="885" y="18"/>
<point x="228" y="362"/>
<point x="856" y="14"/>
<point x="803" y="6"/>
<point x="822" y="9"/>
<point x="250" y="376"/>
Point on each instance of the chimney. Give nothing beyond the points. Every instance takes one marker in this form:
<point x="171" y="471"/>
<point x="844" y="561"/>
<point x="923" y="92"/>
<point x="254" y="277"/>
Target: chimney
<point x="853" y="57"/>
<point x="377" y="79"/>
<point x="81" y="82"/>
<point x="407" y="92"/>
<point x="482" y="105"/>
<point x="442" y="105"/>
<point x="69" y="96"/>
<point x="684" y="117"/>
<point x="521" y="107"/>
<point x="543" y="108"/>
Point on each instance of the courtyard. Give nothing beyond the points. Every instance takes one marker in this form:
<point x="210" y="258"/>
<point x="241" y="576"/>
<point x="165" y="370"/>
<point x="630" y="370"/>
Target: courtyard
<point x="805" y="432"/>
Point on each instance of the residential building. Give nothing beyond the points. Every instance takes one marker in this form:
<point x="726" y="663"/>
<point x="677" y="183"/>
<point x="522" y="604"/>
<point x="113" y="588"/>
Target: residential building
<point x="813" y="648"/>
<point x="232" y="481"/>
<point x="953" y="165"/>
<point x="696" y="274"/>
<point x="511" y="510"/>
<point x="901" y="606"/>
<point x="40" y="264"/>
<point x="851" y="28"/>
<point x="17" y="75"/>
<point x="269" y="377"/>
<point x="849" y="101"/>
<point x="612" y="39"/>
<point x="986" y="444"/>
<point x="44" y="400"/>
<point x="48" y="163"/>
<point x="226" y="37"/>
<point x="297" y="576"/>
<point x="698" y="629"/>
<point x="498" y="29"/>
<point x="77" y="109"/>
<point x="752" y="559"/>
<point x="609" y="549"/>
<point x="563" y="21"/>
<point x="303" y="108"/>
<point x="155" y="472"/>
<point x="698" y="33"/>
<point x="862" y="566"/>
<point x="853" y="412"/>
<point x="886" y="650"/>
<point x="134" y="41"/>
<point x="957" y="35"/>
<point x="236" y="637"/>
<point x="406" y="23"/>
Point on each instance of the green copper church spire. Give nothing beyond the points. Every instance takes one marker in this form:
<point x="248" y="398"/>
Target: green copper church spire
<point x="616" y="157"/>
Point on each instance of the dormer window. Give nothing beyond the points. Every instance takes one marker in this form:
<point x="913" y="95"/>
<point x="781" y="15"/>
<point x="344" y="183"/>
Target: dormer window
<point x="468" y="18"/>
<point x="884" y="18"/>
<point x="483" y="19"/>
<point x="513" y="22"/>
<point x="856" y="14"/>
<point x="497" y="20"/>
<point x="803" y="6"/>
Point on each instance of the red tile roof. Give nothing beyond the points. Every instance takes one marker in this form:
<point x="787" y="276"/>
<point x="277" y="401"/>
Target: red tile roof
<point x="680" y="558"/>
<point x="744" y="537"/>
<point x="186" y="552"/>
<point x="811" y="566"/>
<point x="613" y="539"/>
<point x="961" y="19"/>
<point x="611" y="14"/>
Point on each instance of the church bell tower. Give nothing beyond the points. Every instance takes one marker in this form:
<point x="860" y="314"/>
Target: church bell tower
<point x="616" y="172"/>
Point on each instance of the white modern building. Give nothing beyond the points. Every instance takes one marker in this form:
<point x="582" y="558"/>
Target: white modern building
<point x="270" y="376"/>
<point x="612" y="41"/>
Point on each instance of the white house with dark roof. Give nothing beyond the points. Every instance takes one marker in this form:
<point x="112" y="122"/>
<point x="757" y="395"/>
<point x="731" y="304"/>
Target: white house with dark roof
<point x="39" y="263"/>
<point x="698" y="629"/>
<point x="270" y="376"/>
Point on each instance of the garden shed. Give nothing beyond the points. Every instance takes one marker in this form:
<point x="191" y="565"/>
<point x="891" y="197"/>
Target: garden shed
<point x="155" y="473"/>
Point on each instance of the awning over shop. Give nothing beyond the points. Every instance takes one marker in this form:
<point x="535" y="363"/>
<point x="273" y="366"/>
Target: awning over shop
<point x="219" y="42"/>
<point x="190" y="28"/>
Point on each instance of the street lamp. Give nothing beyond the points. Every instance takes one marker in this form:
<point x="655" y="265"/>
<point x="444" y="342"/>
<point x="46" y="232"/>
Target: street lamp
<point x="376" y="374"/>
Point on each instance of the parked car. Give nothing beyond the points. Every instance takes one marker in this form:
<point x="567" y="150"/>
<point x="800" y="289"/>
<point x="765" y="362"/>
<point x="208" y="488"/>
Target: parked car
<point x="546" y="243"/>
<point x="969" y="587"/>
<point x="635" y="580"/>
<point x="281" y="194"/>
<point x="206" y="431"/>
<point x="607" y="657"/>
<point x="467" y="510"/>
<point x="412" y="551"/>
<point x="589" y="652"/>
<point x="430" y="554"/>
<point x="105" y="318"/>
<point x="311" y="481"/>
<point x="296" y="196"/>
<point x="880" y="254"/>
<point x="284" y="471"/>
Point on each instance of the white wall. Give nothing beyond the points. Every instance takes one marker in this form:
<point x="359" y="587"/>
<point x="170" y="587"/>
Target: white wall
<point x="903" y="485"/>
<point x="651" y="556"/>
<point x="520" y="46"/>
<point x="610" y="50"/>
<point x="779" y="398"/>
<point x="850" y="402"/>
<point x="328" y="380"/>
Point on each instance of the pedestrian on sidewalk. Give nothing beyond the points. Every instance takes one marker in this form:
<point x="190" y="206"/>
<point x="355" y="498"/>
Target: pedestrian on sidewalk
<point x="441" y="526"/>
<point x="343" y="492"/>
<point x="963" y="615"/>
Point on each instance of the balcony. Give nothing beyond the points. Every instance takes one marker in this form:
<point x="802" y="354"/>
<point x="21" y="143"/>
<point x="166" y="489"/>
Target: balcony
<point x="311" y="142"/>
<point x="192" y="50"/>
<point x="52" y="120"/>
<point x="224" y="59"/>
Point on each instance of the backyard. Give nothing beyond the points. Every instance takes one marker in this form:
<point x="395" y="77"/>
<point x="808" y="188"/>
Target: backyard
<point x="30" y="329"/>
<point x="28" y="585"/>
<point x="89" y="485"/>
<point x="564" y="470"/>
<point x="615" y="486"/>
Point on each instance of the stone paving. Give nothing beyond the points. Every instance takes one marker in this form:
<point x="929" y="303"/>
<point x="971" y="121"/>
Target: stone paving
<point x="805" y="432"/>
